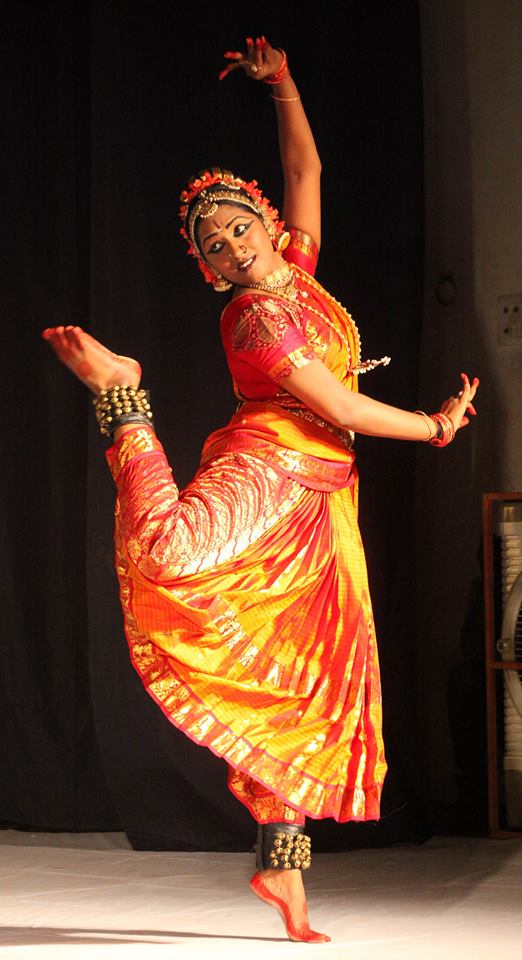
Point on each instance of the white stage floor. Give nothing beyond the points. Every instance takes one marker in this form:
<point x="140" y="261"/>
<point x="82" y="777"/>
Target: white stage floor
<point x="82" y="896"/>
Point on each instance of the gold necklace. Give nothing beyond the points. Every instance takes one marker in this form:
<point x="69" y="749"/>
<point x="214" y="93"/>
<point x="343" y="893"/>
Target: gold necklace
<point x="281" y="279"/>
<point x="282" y="282"/>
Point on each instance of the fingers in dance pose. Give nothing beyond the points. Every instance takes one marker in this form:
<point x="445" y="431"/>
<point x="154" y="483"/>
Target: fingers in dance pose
<point x="260" y="61"/>
<point x="458" y="407"/>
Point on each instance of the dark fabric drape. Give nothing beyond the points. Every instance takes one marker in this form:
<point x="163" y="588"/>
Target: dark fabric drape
<point x="111" y="106"/>
<point x="51" y="770"/>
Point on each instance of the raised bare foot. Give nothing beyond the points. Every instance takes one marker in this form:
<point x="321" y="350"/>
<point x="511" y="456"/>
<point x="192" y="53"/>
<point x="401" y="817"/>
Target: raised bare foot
<point x="284" y="890"/>
<point x="96" y="366"/>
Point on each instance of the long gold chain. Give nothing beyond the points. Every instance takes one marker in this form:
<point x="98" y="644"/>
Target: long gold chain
<point x="359" y="367"/>
<point x="307" y="279"/>
<point x="282" y="283"/>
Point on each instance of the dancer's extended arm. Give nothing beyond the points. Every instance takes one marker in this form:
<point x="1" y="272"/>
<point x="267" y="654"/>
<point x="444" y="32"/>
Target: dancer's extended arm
<point x="299" y="157"/>
<point x="317" y="387"/>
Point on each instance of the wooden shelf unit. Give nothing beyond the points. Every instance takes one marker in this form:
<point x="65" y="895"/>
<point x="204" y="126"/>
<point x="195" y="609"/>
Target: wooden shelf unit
<point x="493" y="664"/>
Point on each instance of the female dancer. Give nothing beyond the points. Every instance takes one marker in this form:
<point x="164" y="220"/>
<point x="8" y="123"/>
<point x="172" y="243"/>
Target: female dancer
<point x="245" y="596"/>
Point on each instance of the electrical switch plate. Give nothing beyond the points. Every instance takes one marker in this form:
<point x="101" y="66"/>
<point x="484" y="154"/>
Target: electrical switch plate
<point x="509" y="319"/>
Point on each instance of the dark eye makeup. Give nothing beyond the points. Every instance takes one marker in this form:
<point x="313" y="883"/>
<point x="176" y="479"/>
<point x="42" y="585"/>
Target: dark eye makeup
<point x="239" y="230"/>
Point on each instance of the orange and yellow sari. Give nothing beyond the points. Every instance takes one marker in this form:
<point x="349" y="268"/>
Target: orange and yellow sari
<point x="245" y="596"/>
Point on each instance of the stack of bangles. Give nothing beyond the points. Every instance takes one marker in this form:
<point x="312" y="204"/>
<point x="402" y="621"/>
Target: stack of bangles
<point x="120" y="405"/>
<point x="282" y="74"/>
<point x="442" y="425"/>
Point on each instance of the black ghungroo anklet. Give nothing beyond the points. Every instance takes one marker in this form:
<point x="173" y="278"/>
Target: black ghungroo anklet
<point x="122" y="404"/>
<point x="282" y="846"/>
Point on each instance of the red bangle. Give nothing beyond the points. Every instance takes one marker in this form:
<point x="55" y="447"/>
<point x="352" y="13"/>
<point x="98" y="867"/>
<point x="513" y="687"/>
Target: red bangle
<point x="447" y="427"/>
<point x="282" y="73"/>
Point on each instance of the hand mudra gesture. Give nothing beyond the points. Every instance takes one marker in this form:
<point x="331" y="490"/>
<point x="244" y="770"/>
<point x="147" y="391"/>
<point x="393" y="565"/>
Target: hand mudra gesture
<point x="259" y="61"/>
<point x="457" y="408"/>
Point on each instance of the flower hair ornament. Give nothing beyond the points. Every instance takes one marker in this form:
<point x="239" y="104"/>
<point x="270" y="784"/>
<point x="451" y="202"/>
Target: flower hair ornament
<point x="201" y="199"/>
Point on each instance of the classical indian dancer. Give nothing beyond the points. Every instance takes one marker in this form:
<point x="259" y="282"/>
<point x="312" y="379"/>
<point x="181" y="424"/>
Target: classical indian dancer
<point x="245" y="596"/>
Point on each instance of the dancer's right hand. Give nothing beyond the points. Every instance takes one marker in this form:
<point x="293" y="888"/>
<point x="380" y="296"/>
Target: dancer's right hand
<point x="96" y="366"/>
<point x="260" y="60"/>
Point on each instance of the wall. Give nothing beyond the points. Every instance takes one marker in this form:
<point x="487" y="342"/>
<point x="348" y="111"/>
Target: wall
<point x="472" y="75"/>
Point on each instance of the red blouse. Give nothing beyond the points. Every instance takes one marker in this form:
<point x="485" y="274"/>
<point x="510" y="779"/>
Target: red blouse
<point x="265" y="337"/>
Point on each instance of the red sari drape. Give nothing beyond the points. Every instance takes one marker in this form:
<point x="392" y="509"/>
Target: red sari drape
<point x="245" y="596"/>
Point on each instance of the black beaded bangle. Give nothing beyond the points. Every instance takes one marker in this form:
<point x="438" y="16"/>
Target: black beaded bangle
<point x="120" y="405"/>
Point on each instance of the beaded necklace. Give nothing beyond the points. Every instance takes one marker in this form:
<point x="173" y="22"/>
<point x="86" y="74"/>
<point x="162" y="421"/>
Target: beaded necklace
<point x="282" y="282"/>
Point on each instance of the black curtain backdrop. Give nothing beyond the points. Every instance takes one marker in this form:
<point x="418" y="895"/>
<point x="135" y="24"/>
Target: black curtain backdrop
<point x="109" y="107"/>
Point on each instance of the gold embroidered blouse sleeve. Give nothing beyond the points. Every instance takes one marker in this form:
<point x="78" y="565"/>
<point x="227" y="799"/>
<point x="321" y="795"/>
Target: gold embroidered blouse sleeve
<point x="268" y="335"/>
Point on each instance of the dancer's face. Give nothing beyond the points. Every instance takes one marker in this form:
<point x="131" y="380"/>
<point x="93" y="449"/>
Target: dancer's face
<point x="235" y="242"/>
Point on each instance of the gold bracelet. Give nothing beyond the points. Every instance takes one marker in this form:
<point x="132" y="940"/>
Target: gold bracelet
<point x="285" y="99"/>
<point x="429" y="423"/>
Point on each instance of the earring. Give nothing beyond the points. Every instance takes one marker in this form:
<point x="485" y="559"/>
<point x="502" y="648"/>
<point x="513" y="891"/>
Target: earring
<point x="282" y="241"/>
<point x="220" y="284"/>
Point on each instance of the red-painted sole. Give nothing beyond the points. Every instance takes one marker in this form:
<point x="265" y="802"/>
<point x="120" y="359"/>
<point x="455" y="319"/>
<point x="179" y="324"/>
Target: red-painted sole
<point x="261" y="890"/>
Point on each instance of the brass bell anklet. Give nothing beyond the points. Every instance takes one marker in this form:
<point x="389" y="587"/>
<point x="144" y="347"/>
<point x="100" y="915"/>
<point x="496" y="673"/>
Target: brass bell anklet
<point x="282" y="846"/>
<point x="119" y="405"/>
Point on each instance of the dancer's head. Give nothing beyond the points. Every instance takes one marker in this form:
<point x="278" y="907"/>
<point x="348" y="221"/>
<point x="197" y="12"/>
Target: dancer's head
<point x="230" y="227"/>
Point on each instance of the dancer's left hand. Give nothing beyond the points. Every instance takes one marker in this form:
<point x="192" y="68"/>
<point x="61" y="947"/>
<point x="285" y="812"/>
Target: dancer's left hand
<point x="457" y="408"/>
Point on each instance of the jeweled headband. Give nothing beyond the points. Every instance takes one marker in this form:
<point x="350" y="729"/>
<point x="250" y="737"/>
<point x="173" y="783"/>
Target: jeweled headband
<point x="201" y="198"/>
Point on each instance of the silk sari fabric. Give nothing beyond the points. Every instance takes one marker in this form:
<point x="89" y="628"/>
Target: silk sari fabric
<point x="245" y="596"/>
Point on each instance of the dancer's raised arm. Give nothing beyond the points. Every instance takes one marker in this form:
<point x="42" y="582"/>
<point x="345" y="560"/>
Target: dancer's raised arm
<point x="299" y="156"/>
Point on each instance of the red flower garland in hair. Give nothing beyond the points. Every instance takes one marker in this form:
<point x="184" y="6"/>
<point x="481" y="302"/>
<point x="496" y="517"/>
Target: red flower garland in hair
<point x="217" y="176"/>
